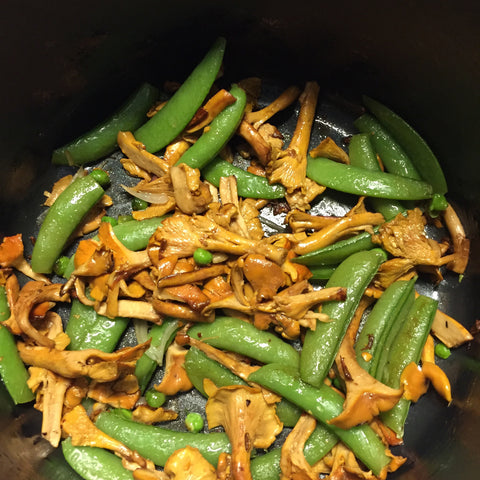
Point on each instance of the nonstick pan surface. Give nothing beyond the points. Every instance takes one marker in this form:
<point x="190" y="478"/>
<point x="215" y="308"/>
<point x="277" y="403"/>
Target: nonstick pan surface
<point x="440" y="441"/>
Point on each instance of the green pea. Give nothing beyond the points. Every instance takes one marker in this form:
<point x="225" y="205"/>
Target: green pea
<point x="124" y="218"/>
<point x="442" y="350"/>
<point x="100" y="176"/>
<point x="202" y="256"/>
<point x="194" y="422"/>
<point x="111" y="220"/>
<point x="139" y="204"/>
<point x="155" y="399"/>
<point x="61" y="265"/>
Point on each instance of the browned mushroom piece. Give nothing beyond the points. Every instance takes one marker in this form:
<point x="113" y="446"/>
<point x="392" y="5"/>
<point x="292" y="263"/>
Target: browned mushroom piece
<point x="192" y="196"/>
<point x="249" y="421"/>
<point x="97" y="365"/>
<point x="83" y="432"/>
<point x="461" y="244"/>
<point x="175" y="378"/>
<point x="123" y="392"/>
<point x="149" y="415"/>
<point x="329" y="149"/>
<point x="188" y="463"/>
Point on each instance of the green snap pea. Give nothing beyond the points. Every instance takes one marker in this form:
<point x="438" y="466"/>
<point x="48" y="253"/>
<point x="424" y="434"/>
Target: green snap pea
<point x="321" y="345"/>
<point x="222" y="128"/>
<point x="61" y="220"/>
<point x="407" y="348"/>
<point x="248" y="184"/>
<point x="362" y="155"/>
<point x="139" y="204"/>
<point x="102" y="139"/>
<point x="202" y="256"/>
<point x="60" y="266"/>
<point x="12" y="370"/>
<point x="324" y="404"/>
<point x="93" y="463"/>
<point x="111" y="220"/>
<point x="100" y="176"/>
<point x="194" y="422"/>
<point x="235" y="335"/>
<point x="156" y="443"/>
<point x="337" y="252"/>
<point x="161" y="336"/>
<point x="393" y="156"/>
<point x="163" y="127"/>
<point x="358" y="181"/>
<point x="383" y="315"/>
<point x="321" y="272"/>
<point x="414" y="145"/>
<point x="199" y="366"/>
<point x="87" y="329"/>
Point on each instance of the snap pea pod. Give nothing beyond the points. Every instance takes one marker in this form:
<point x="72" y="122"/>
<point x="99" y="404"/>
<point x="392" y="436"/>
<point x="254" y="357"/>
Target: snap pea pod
<point x="161" y="336"/>
<point x="321" y="272"/>
<point x="163" y="127"/>
<point x="393" y="156"/>
<point x="383" y="315"/>
<point x="222" y="128"/>
<point x="87" y="329"/>
<point x="248" y="184"/>
<point x="407" y="348"/>
<point x="358" y="181"/>
<point x="199" y="366"/>
<point x="235" y="335"/>
<point x="12" y="370"/>
<point x="337" y="252"/>
<point x="156" y="443"/>
<point x="323" y="403"/>
<point x="414" y="145"/>
<point x="93" y="463"/>
<point x="102" y="139"/>
<point x="321" y="345"/>
<point x="362" y="155"/>
<point x="320" y="442"/>
<point x="61" y="220"/>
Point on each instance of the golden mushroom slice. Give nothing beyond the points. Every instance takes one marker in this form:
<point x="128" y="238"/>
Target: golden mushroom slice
<point x="247" y="418"/>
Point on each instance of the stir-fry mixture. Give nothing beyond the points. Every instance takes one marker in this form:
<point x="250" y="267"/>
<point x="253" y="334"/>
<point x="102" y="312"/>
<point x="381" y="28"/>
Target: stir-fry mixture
<point x="306" y="337"/>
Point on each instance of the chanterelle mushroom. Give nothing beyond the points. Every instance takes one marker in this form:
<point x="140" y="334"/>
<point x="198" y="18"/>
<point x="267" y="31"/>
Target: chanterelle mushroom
<point x="248" y="421"/>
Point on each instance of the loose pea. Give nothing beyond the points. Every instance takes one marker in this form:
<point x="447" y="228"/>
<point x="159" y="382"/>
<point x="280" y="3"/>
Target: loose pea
<point x="155" y="399"/>
<point x="194" y="422"/>
<point x="100" y="176"/>
<point x="60" y="265"/>
<point x="139" y="204"/>
<point x="442" y="350"/>
<point x="202" y="256"/>
<point x="124" y="218"/>
<point x="111" y="220"/>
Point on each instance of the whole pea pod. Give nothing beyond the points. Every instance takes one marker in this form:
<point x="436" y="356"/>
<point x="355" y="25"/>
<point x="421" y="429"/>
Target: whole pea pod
<point x="62" y="218"/>
<point x="163" y="127"/>
<point x="321" y="345"/>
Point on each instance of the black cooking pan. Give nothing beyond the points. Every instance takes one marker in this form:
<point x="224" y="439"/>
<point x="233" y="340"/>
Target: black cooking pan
<point x="66" y="65"/>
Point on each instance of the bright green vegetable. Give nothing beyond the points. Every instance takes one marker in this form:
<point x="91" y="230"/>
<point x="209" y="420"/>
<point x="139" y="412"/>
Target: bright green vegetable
<point x="111" y="220"/>
<point x="442" y="351"/>
<point x="61" y="220"/>
<point x="321" y="345"/>
<point x="248" y="184"/>
<point x="194" y="422"/>
<point x="202" y="256"/>
<point x="88" y="329"/>
<point x="222" y="128"/>
<point x="358" y="181"/>
<point x="60" y="266"/>
<point x="407" y="348"/>
<point x="102" y="139"/>
<point x="155" y="399"/>
<point x="163" y="127"/>
<point x="12" y="370"/>
<point x="324" y="404"/>
<point x="100" y="176"/>
<point x="424" y="159"/>
<point x="321" y="272"/>
<point x="93" y="463"/>
<point x="156" y="443"/>
<point x="139" y="204"/>
<point x="362" y="155"/>
<point x="235" y="335"/>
